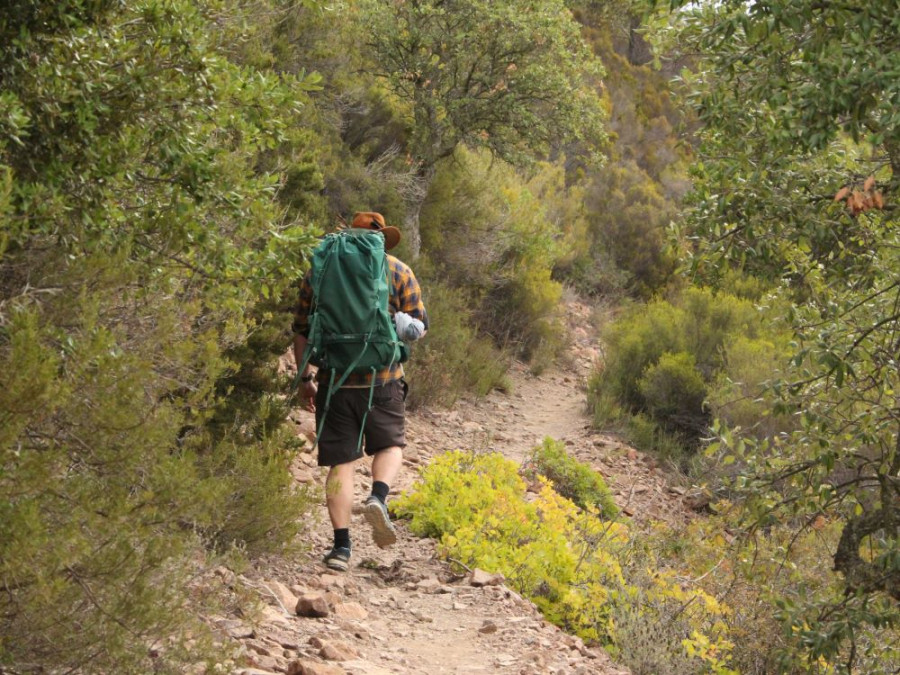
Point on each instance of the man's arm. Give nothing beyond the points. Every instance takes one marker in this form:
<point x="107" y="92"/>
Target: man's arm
<point x="407" y="295"/>
<point x="306" y="389"/>
<point x="307" y="386"/>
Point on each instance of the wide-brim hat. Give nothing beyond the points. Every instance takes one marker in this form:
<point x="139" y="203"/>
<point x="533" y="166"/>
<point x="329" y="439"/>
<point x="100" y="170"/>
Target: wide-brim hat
<point x="369" y="220"/>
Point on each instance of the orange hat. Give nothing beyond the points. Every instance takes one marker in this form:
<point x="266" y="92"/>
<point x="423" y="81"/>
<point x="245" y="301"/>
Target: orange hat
<point x="369" y="220"/>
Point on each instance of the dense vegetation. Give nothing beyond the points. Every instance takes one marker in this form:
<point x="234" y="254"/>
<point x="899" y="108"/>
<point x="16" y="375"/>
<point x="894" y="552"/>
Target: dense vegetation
<point x="165" y="168"/>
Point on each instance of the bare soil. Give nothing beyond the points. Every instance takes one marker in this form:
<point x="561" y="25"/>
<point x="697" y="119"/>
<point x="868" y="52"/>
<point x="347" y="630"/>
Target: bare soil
<point x="403" y="609"/>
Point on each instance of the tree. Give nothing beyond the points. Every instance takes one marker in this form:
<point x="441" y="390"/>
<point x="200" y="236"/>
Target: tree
<point x="797" y="183"/>
<point x="513" y="77"/>
<point x="138" y="236"/>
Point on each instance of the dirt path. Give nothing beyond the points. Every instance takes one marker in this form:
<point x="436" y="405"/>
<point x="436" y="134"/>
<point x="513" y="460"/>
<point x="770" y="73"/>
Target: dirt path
<point x="401" y="610"/>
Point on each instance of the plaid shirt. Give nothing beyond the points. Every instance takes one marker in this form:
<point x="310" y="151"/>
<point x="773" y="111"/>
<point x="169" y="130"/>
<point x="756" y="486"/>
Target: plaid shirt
<point x="405" y="296"/>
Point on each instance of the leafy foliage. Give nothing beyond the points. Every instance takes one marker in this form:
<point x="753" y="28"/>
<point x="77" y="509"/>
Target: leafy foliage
<point x="800" y="106"/>
<point x="630" y="200"/>
<point x="488" y="230"/>
<point x="572" y="479"/>
<point x="662" y="358"/>
<point x="569" y="562"/>
<point x="454" y="359"/>
<point x="514" y="78"/>
<point x="140" y="233"/>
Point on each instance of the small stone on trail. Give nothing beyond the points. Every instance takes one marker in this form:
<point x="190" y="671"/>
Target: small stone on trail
<point x="329" y="580"/>
<point x="281" y="594"/>
<point x="312" y="605"/>
<point x="488" y="627"/>
<point x="314" y="668"/>
<point x="350" y="610"/>
<point x="338" y="651"/>
<point x="480" y="578"/>
<point x="429" y="585"/>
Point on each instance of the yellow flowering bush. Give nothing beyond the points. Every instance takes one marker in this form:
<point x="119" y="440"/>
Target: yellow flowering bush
<point x="568" y="561"/>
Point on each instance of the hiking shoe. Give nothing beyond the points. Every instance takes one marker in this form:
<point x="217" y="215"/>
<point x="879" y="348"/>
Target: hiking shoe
<point x="377" y="515"/>
<point x="338" y="558"/>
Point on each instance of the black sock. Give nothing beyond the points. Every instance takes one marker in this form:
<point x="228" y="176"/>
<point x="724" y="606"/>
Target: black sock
<point x="381" y="490"/>
<point x="342" y="538"/>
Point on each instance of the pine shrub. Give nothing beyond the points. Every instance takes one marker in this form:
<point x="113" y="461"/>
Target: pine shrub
<point x="139" y="423"/>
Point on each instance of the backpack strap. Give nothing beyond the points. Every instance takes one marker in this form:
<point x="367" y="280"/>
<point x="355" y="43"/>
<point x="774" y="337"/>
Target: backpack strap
<point x="362" y="424"/>
<point x="321" y="426"/>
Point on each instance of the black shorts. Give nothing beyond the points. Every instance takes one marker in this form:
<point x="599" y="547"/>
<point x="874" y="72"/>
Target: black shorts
<point x="385" y="423"/>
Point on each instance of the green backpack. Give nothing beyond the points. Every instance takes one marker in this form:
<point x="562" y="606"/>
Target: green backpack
<point x="351" y="329"/>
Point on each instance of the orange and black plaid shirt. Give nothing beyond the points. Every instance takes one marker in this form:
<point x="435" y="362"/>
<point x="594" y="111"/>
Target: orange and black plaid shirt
<point x="405" y="296"/>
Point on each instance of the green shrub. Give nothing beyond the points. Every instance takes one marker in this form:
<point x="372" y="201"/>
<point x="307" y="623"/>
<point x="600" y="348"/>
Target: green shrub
<point x="572" y="479"/>
<point x="647" y="435"/>
<point x="663" y="357"/>
<point x="738" y="395"/>
<point x="136" y="242"/>
<point x="674" y="393"/>
<point x="487" y="228"/>
<point x="524" y="312"/>
<point x="629" y="216"/>
<point x="565" y="559"/>
<point x="606" y="411"/>
<point x="452" y="359"/>
<point x="261" y="508"/>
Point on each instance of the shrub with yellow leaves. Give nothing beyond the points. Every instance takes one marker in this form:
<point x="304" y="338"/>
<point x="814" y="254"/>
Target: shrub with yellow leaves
<point x="573" y="565"/>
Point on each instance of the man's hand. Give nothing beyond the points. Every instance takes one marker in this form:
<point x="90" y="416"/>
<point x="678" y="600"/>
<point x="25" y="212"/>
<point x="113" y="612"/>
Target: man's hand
<point x="307" y="390"/>
<point x="307" y="394"/>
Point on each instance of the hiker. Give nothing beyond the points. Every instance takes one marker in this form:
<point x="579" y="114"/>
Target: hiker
<point x="349" y="419"/>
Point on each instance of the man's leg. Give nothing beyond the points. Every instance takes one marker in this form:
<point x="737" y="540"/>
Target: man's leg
<point x="339" y="501"/>
<point x="385" y="433"/>
<point x="385" y="467"/>
<point x="339" y="494"/>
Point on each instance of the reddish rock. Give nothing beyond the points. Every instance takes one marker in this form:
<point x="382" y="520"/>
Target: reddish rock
<point x="312" y="605"/>
<point x="338" y="650"/>
<point x="480" y="578"/>
<point x="304" y="667"/>
<point x="350" y="610"/>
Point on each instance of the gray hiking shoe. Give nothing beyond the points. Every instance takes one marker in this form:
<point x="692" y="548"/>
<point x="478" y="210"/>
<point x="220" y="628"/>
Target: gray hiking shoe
<point x="338" y="558"/>
<point x="382" y="529"/>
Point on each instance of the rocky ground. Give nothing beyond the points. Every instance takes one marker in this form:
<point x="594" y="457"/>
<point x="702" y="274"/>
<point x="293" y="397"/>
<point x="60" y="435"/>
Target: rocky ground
<point x="403" y="610"/>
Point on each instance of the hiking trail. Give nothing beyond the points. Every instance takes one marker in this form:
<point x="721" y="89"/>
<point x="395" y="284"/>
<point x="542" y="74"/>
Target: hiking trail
<point x="402" y="610"/>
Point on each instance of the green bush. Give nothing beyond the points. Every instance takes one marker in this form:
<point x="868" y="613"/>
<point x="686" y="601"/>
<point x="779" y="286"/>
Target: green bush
<point x="572" y="479"/>
<point x="674" y="393"/>
<point x="738" y="394"/>
<point x="629" y="216"/>
<point x="452" y="359"/>
<point x="488" y="229"/>
<point x="139" y="231"/>
<point x="570" y="563"/>
<point x="663" y="357"/>
<point x="260" y="509"/>
<point x="647" y="435"/>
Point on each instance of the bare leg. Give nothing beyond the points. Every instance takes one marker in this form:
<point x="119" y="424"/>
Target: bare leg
<point x="386" y="465"/>
<point x="339" y="494"/>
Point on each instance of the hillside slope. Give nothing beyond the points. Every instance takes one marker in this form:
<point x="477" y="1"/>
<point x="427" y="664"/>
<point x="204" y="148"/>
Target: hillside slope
<point x="402" y="610"/>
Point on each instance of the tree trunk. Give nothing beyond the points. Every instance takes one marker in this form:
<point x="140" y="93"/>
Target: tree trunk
<point x="412" y="232"/>
<point x="860" y="574"/>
